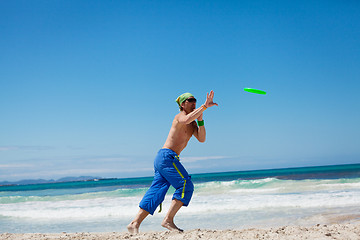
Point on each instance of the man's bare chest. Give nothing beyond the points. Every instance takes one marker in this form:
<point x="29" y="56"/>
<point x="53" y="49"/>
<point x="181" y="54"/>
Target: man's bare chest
<point x="188" y="130"/>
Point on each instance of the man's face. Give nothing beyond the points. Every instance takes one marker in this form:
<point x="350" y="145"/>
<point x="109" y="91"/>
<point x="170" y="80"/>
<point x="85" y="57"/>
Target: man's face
<point x="189" y="104"/>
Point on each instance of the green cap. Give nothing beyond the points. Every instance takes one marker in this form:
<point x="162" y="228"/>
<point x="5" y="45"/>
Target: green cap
<point x="183" y="97"/>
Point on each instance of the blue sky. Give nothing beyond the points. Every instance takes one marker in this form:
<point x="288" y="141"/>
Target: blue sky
<point x="89" y="87"/>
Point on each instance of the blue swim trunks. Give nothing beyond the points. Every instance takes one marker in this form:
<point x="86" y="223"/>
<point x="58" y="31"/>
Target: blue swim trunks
<point x="168" y="171"/>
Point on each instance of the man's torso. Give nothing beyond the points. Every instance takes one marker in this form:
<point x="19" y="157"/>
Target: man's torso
<point x="179" y="135"/>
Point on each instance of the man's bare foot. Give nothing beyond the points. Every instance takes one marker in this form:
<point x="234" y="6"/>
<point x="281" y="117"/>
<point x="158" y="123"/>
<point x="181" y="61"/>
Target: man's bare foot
<point x="171" y="226"/>
<point x="133" y="228"/>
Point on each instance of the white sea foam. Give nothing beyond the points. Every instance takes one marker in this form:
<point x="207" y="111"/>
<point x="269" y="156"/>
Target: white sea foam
<point x="245" y="200"/>
<point x="239" y="195"/>
<point x="72" y="209"/>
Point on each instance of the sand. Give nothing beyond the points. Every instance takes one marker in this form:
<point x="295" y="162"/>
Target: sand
<point x="342" y="231"/>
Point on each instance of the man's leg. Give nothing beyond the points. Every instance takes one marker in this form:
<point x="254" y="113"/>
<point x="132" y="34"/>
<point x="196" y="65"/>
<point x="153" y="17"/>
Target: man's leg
<point x="178" y="177"/>
<point x="168" y="221"/>
<point x="133" y="227"/>
<point x="152" y="198"/>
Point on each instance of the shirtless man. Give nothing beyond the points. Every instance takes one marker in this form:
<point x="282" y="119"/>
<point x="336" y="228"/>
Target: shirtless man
<point x="168" y="169"/>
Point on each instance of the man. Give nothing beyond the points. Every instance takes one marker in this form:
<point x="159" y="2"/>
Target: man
<point x="168" y="169"/>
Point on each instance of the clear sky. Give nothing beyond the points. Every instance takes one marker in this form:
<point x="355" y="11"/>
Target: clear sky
<point x="89" y="87"/>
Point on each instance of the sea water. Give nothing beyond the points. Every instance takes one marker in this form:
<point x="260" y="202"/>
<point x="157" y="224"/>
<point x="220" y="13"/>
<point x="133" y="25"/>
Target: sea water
<point x="262" y="198"/>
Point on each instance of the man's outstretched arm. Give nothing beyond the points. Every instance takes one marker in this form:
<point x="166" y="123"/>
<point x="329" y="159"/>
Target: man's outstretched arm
<point x="189" y="118"/>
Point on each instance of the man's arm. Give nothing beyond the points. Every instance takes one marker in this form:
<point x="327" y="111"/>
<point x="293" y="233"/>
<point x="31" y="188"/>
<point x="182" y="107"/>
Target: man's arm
<point x="199" y="131"/>
<point x="199" y="111"/>
<point x="189" y="118"/>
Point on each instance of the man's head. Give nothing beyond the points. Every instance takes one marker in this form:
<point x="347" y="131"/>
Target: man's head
<point x="187" y="102"/>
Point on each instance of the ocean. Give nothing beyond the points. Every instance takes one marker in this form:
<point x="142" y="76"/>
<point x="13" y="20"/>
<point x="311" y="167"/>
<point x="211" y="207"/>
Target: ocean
<point x="228" y="200"/>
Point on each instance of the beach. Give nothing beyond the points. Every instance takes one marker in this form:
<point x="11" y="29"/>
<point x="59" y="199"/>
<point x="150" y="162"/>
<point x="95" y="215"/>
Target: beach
<point x="299" y="203"/>
<point x="350" y="231"/>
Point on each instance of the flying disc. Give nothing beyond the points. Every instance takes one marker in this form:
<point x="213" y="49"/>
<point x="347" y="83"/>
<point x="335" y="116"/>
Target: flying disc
<point x="252" y="90"/>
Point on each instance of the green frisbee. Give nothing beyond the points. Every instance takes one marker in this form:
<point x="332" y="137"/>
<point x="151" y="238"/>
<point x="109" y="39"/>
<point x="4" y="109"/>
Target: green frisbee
<point x="252" y="90"/>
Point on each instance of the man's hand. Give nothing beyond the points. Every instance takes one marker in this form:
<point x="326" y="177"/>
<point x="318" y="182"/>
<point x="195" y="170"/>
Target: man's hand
<point x="209" y="100"/>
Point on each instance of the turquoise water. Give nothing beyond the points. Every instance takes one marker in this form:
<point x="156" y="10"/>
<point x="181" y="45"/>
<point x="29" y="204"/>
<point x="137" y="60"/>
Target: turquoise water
<point x="229" y="200"/>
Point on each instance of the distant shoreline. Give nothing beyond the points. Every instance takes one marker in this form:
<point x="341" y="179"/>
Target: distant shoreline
<point x="44" y="181"/>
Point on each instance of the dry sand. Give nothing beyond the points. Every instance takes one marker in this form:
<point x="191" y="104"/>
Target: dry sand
<point x="334" y="231"/>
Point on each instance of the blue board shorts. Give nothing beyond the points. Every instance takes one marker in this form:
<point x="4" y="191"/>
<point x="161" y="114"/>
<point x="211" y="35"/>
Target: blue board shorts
<point x="168" y="171"/>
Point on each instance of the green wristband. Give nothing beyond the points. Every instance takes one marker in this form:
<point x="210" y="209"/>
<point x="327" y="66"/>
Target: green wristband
<point x="201" y="123"/>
